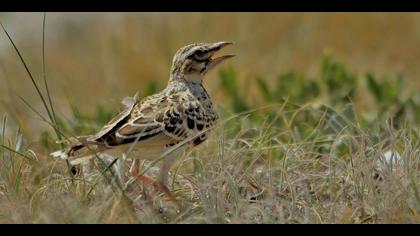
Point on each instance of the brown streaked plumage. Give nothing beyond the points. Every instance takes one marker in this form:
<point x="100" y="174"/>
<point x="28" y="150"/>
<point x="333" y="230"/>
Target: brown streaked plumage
<point x="183" y="111"/>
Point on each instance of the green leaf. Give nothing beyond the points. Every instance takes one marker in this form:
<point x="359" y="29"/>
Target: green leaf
<point x="339" y="82"/>
<point x="374" y="87"/>
<point x="264" y="89"/>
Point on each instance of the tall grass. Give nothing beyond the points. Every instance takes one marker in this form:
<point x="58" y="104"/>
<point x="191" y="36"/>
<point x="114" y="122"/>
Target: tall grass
<point x="250" y="178"/>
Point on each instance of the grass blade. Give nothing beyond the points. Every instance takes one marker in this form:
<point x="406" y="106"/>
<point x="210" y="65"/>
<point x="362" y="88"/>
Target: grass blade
<point x="108" y="168"/>
<point x="34" y="110"/>
<point x="32" y="79"/>
<point x="54" y="120"/>
<point x="41" y="116"/>
<point x="27" y="70"/>
<point x="19" y="140"/>
<point x="3" y="133"/>
<point x="18" y="153"/>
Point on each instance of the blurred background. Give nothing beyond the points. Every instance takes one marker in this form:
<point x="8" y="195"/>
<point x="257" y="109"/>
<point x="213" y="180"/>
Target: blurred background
<point x="96" y="59"/>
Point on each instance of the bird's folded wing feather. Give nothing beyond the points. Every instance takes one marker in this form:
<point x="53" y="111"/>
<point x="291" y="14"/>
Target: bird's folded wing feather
<point x="177" y="116"/>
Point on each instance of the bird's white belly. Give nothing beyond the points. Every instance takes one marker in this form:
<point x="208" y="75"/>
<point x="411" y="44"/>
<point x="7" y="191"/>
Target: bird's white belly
<point x="148" y="153"/>
<point x="150" y="149"/>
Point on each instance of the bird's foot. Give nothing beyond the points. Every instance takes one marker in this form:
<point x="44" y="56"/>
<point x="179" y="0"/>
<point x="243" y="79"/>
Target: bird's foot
<point x="158" y="186"/>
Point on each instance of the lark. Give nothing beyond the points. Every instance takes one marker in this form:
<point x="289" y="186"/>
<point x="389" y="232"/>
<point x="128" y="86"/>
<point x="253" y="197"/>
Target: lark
<point x="161" y="125"/>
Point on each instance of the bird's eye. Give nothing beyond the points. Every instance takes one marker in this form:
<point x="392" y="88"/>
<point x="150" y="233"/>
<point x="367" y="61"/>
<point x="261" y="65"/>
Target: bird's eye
<point x="199" y="55"/>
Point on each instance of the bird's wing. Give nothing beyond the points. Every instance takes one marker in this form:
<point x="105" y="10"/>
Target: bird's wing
<point x="117" y="121"/>
<point x="177" y="116"/>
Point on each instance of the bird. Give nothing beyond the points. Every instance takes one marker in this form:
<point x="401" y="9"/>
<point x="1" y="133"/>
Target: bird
<point x="163" y="124"/>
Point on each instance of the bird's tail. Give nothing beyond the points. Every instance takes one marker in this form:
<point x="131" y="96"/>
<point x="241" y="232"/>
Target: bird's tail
<point x="78" y="151"/>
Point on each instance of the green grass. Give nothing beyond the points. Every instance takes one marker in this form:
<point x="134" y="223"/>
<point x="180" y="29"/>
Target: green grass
<point x="295" y="150"/>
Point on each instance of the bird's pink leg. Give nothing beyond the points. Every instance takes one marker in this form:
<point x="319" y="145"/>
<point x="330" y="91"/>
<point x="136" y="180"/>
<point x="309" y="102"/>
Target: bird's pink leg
<point x="135" y="172"/>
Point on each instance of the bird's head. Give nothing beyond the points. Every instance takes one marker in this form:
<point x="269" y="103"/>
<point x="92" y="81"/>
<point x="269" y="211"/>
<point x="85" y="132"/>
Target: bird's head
<point x="193" y="61"/>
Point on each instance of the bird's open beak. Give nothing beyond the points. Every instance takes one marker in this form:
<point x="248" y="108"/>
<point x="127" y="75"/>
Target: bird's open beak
<point x="213" y="61"/>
